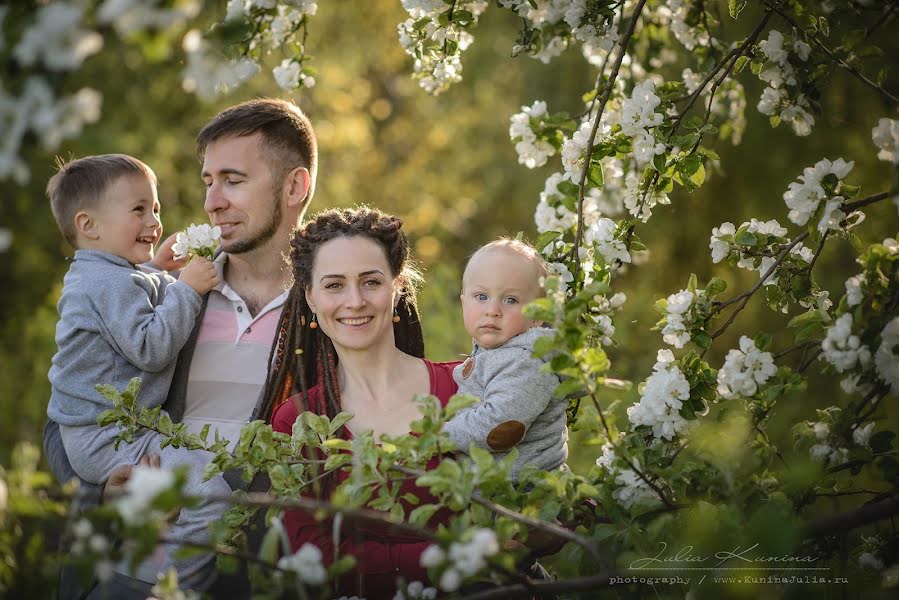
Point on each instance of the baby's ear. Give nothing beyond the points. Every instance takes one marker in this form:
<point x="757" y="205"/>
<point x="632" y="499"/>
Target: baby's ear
<point x="86" y="226"/>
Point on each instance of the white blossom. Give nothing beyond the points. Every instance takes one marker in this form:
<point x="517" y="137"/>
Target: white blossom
<point x="287" y="74"/>
<point x="802" y="49"/>
<point x="104" y="569"/>
<point x="886" y="359"/>
<point x="432" y="556"/>
<point x="602" y="234"/>
<point x="416" y="591"/>
<point x="56" y="38"/>
<point x="661" y="400"/>
<point x="306" y="563"/>
<point x="450" y="580"/>
<point x="886" y="137"/>
<point x="82" y="528"/>
<point x="821" y="430"/>
<point x="721" y="248"/>
<point x="803" y="196"/>
<point x="532" y="152"/>
<point x="842" y="348"/>
<point x="868" y="560"/>
<point x="142" y="488"/>
<point x="854" y="292"/>
<point x="198" y="240"/>
<point x="744" y="370"/>
<point x="631" y="487"/>
<point x="861" y="434"/>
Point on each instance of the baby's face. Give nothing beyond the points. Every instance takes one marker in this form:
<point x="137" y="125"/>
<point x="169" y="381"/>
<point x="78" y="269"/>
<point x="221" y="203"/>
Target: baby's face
<point x="497" y="284"/>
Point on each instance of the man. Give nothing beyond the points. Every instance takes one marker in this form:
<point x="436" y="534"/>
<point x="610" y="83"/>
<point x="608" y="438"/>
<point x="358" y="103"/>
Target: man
<point x="259" y="166"/>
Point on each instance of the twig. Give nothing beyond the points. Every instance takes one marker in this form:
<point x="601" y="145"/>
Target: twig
<point x="583" y="584"/>
<point x="839" y="61"/>
<point x="622" y="45"/>
<point x="745" y="296"/>
<point x="853" y="206"/>
<point x="668" y="503"/>
<point x="869" y="513"/>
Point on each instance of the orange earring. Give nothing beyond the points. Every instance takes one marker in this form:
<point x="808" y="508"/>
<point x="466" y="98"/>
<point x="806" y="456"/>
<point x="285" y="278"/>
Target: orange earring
<point x="396" y="317"/>
<point x="313" y="324"/>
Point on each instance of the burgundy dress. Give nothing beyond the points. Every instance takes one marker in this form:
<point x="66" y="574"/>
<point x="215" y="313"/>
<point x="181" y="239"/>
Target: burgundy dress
<point x="382" y="555"/>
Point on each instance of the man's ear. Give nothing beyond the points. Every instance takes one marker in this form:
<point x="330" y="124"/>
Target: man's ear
<point x="296" y="186"/>
<point x="86" y="226"/>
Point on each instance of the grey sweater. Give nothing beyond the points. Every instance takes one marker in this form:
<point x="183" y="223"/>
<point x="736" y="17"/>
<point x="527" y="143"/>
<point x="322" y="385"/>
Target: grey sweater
<point x="517" y="408"/>
<point x="115" y="323"/>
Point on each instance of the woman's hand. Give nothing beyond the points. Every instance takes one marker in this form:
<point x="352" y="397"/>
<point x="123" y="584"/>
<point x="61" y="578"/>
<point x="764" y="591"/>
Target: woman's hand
<point x="119" y="476"/>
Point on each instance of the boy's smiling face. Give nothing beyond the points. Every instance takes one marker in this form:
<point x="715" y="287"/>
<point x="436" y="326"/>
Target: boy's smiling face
<point x="126" y="222"/>
<point x="497" y="284"/>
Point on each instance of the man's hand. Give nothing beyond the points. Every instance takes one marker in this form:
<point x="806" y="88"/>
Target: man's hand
<point x="120" y="475"/>
<point x="165" y="257"/>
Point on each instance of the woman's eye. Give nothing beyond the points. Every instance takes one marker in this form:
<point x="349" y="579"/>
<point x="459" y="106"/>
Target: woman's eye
<point x="139" y="209"/>
<point x="332" y="286"/>
<point x="372" y="283"/>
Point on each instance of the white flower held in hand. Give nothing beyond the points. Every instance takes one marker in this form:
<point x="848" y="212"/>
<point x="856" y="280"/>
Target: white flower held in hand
<point x="197" y="240"/>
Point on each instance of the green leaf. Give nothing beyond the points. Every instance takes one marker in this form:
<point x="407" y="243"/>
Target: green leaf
<point x="595" y="174"/>
<point x="715" y="287"/>
<point x="421" y="515"/>
<point x="702" y="339"/>
<point x="698" y="177"/>
<point x="735" y="7"/>
<point x="545" y="239"/>
<point x="881" y="441"/>
<point x="746" y="238"/>
<point x="740" y="64"/>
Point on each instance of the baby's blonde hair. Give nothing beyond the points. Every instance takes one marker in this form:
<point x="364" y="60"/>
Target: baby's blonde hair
<point x="519" y="247"/>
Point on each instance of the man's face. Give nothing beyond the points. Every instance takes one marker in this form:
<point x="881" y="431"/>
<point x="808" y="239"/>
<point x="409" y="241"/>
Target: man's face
<point x="497" y="284"/>
<point x="240" y="195"/>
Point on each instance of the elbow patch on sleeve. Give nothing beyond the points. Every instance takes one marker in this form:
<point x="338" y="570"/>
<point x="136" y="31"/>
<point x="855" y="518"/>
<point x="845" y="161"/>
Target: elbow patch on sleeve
<point x="505" y="435"/>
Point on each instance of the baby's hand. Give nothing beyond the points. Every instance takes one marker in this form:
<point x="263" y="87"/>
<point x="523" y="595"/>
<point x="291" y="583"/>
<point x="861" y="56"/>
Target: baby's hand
<point x="200" y="274"/>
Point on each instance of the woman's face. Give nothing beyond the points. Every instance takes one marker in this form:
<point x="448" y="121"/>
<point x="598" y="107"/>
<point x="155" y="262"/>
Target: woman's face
<point x="353" y="293"/>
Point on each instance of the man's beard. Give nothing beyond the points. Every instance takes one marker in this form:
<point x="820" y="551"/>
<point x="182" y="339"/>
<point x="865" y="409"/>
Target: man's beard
<point x="260" y="238"/>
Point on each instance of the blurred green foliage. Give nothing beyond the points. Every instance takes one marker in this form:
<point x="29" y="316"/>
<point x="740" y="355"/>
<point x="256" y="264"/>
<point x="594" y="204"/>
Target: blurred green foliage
<point x="445" y="165"/>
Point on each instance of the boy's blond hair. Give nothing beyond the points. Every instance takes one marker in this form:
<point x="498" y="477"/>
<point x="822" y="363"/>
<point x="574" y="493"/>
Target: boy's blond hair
<point x="523" y="249"/>
<point x="80" y="184"/>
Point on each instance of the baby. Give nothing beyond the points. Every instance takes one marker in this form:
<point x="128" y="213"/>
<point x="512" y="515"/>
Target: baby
<point x="117" y="322"/>
<point x="517" y="407"/>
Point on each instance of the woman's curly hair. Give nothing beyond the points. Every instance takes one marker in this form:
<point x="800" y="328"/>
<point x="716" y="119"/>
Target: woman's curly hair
<point x="303" y="357"/>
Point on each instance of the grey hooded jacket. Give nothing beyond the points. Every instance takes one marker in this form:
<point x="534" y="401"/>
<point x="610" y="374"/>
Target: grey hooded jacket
<point x="517" y="407"/>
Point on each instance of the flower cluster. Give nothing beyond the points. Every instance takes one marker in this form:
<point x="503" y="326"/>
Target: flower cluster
<point x="684" y="25"/>
<point x="886" y="358"/>
<point x="306" y="563"/>
<point x="129" y="17"/>
<point x="780" y="74"/>
<point x="56" y="39"/>
<point x="662" y="398"/>
<point x="416" y="591"/>
<point x="827" y="449"/>
<point x="631" y="488"/>
<point x="86" y="541"/>
<point x="683" y="311"/>
<point x="532" y="151"/>
<point x="435" y="35"/>
<point x="197" y="240"/>
<point x="464" y="558"/>
<point x="142" y="488"/>
<point x="552" y="26"/>
<point x="208" y="75"/>
<point x="728" y="104"/>
<point x="638" y="117"/>
<point x="886" y="137"/>
<point x="745" y="370"/>
<point x="819" y="184"/>
<point x="842" y="348"/>
<point x="873" y="546"/>
<point x="600" y="314"/>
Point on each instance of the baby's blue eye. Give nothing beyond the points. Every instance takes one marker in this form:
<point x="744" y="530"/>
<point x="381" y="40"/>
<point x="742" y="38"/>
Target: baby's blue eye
<point x="481" y="297"/>
<point x="510" y="300"/>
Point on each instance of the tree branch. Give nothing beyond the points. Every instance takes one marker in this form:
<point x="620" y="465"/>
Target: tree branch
<point x="839" y="61"/>
<point x="622" y="45"/>
<point x="859" y="517"/>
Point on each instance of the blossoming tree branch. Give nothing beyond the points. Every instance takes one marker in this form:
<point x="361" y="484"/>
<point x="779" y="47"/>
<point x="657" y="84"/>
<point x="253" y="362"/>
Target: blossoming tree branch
<point x="691" y="461"/>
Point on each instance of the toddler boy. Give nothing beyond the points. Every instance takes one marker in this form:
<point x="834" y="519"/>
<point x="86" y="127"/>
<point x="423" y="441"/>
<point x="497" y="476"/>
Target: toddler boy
<point x="517" y="408"/>
<point x="117" y="322"/>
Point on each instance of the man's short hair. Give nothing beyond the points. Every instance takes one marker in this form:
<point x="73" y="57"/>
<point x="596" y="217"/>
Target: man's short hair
<point x="288" y="141"/>
<point x="79" y="184"/>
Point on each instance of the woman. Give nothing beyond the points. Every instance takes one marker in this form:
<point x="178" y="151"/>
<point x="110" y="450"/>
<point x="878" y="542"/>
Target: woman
<point x="350" y="340"/>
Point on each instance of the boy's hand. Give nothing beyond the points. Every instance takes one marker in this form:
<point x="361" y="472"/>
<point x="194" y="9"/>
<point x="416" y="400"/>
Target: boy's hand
<point x="164" y="260"/>
<point x="200" y="274"/>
